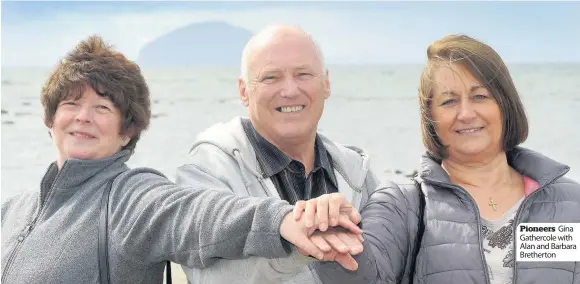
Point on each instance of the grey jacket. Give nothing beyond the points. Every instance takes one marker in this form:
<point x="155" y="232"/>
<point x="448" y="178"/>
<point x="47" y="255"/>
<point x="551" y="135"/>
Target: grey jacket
<point x="222" y="157"/>
<point x="451" y="248"/>
<point x="50" y="236"/>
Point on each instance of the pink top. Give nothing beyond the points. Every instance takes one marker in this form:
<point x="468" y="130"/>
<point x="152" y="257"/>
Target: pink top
<point x="530" y="185"/>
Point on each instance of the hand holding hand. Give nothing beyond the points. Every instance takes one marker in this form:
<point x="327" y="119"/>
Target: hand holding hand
<point x="335" y="244"/>
<point x="338" y="245"/>
<point x="329" y="210"/>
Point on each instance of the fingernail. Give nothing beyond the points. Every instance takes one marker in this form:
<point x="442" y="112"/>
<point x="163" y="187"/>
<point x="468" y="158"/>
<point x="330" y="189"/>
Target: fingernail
<point x="333" y="221"/>
<point x="308" y="224"/>
<point x="323" y="227"/>
<point x="320" y="256"/>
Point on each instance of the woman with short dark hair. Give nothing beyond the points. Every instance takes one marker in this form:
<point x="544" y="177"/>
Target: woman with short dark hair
<point x="96" y="105"/>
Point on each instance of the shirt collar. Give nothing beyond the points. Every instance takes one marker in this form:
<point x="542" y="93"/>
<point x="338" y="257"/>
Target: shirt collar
<point x="273" y="161"/>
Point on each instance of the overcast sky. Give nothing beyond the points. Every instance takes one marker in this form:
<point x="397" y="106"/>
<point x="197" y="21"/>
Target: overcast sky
<point x="39" y="33"/>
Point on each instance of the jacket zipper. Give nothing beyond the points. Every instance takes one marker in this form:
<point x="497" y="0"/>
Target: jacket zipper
<point x="517" y="220"/>
<point x="29" y="227"/>
<point x="13" y="254"/>
<point x="479" y="238"/>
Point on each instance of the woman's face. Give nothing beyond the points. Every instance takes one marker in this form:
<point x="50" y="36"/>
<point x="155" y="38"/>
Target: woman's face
<point x="467" y="118"/>
<point x="87" y="128"/>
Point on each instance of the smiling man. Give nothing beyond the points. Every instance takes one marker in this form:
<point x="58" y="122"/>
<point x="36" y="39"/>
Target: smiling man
<point x="276" y="150"/>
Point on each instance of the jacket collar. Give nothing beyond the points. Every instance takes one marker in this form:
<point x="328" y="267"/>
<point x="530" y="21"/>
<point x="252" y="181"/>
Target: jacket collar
<point x="75" y="172"/>
<point x="350" y="161"/>
<point x="527" y="162"/>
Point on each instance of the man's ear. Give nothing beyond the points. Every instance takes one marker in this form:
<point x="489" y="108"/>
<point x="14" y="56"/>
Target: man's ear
<point x="327" y="84"/>
<point x="242" y="87"/>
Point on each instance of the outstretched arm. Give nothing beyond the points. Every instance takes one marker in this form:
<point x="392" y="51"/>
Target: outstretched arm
<point x="153" y="220"/>
<point x="386" y="240"/>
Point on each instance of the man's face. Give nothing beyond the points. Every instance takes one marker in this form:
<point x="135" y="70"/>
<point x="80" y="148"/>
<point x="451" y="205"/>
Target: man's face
<point x="286" y="88"/>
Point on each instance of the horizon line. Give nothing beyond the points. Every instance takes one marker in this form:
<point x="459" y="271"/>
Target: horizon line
<point x="365" y="64"/>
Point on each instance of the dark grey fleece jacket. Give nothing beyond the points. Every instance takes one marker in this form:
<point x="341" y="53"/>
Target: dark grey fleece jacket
<point x="51" y="236"/>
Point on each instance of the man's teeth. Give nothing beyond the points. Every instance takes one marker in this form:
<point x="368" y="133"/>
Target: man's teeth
<point x="291" y="109"/>
<point x="469" y="130"/>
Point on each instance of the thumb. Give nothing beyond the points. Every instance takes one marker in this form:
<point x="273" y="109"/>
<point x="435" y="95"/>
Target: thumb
<point x="302" y="251"/>
<point x="306" y="247"/>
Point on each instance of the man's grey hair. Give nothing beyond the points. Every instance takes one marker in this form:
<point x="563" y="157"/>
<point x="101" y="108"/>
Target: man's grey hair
<point x="266" y="34"/>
